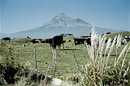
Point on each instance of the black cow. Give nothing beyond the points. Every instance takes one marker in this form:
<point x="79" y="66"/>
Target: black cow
<point x="108" y="32"/>
<point x="106" y="40"/>
<point x="127" y="38"/>
<point x="88" y="41"/>
<point x="28" y="37"/>
<point x="40" y="40"/>
<point x="34" y="41"/>
<point x="49" y="41"/>
<point x="69" y="41"/>
<point x="122" y="43"/>
<point x="57" y="41"/>
<point x="78" y="41"/>
<point x="6" y="38"/>
<point x="43" y="41"/>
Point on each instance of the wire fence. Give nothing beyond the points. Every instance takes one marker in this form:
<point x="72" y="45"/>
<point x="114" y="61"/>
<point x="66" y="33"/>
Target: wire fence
<point x="37" y="59"/>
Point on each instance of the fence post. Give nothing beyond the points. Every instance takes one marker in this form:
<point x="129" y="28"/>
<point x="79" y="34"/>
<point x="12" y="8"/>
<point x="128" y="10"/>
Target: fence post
<point x="10" y="55"/>
<point x="54" y="59"/>
<point x="35" y="57"/>
<point x="76" y="61"/>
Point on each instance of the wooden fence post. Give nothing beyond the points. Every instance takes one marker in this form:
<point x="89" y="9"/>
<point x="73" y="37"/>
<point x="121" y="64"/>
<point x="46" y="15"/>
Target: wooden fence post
<point x="76" y="61"/>
<point x="54" y="59"/>
<point x="10" y="55"/>
<point x="35" y="57"/>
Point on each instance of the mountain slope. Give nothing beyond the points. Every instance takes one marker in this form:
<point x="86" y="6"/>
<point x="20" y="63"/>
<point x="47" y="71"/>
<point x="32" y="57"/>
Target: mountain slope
<point x="61" y="24"/>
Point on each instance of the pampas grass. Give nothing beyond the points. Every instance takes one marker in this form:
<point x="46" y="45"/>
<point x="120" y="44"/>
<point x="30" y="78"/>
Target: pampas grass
<point x="97" y="71"/>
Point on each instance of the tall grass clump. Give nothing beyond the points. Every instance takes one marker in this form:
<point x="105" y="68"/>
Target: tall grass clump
<point x="104" y="69"/>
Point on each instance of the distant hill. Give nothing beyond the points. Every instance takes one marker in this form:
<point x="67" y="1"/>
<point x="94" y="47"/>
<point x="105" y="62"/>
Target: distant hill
<point x="123" y="33"/>
<point x="61" y="24"/>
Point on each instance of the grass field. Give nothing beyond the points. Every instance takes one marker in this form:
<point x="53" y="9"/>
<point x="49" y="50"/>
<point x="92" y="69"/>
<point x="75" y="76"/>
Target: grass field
<point x="65" y="57"/>
<point x="67" y="66"/>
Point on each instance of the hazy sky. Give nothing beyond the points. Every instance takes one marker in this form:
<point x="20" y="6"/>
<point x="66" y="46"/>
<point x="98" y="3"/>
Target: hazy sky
<point x="20" y="15"/>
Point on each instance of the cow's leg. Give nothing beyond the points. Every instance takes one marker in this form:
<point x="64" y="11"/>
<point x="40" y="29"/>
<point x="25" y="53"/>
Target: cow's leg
<point x="50" y="46"/>
<point x="59" y="46"/>
<point x="63" y="45"/>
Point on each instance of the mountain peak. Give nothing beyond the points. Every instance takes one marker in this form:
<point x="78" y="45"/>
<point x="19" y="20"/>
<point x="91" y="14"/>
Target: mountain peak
<point x="62" y="14"/>
<point x="63" y="20"/>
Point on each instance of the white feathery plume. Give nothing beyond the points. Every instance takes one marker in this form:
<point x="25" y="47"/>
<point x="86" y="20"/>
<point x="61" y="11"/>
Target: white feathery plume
<point x="94" y="37"/>
<point x="94" y="43"/>
<point x="125" y="57"/>
<point x="118" y="43"/>
<point x="123" y="52"/>
<point x="111" y="49"/>
<point x="108" y="45"/>
<point x="102" y="44"/>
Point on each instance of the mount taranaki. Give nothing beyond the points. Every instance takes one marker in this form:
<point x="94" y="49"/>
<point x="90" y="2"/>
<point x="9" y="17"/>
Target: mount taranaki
<point x="61" y="24"/>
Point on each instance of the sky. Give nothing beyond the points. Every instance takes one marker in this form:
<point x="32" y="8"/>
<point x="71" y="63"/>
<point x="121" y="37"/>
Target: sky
<point x="20" y="15"/>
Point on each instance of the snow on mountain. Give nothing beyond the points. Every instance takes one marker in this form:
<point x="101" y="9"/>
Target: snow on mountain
<point x="61" y="24"/>
<point x="64" y="21"/>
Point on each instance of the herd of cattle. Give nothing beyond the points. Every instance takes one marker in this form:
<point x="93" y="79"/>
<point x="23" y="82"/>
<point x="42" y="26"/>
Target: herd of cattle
<point x="58" y="41"/>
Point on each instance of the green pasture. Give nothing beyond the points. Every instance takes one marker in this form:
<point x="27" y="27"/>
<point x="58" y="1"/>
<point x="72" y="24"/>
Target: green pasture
<point x="65" y="57"/>
<point x="66" y="63"/>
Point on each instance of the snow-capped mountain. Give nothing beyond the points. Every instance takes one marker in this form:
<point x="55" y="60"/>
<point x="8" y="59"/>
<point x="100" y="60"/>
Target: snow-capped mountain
<point x="61" y="24"/>
<point x="64" y="21"/>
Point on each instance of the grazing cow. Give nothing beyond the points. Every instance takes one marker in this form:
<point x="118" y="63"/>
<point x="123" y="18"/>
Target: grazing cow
<point x="40" y="40"/>
<point x="64" y="41"/>
<point x="108" y="32"/>
<point x="28" y="37"/>
<point x="69" y="41"/>
<point x="25" y="45"/>
<point x="57" y="41"/>
<point x="106" y="40"/>
<point x="88" y="41"/>
<point x="34" y="41"/>
<point x="43" y="41"/>
<point x="6" y="38"/>
<point x="126" y="38"/>
<point x="78" y="41"/>
<point x="122" y="43"/>
<point x="49" y="41"/>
